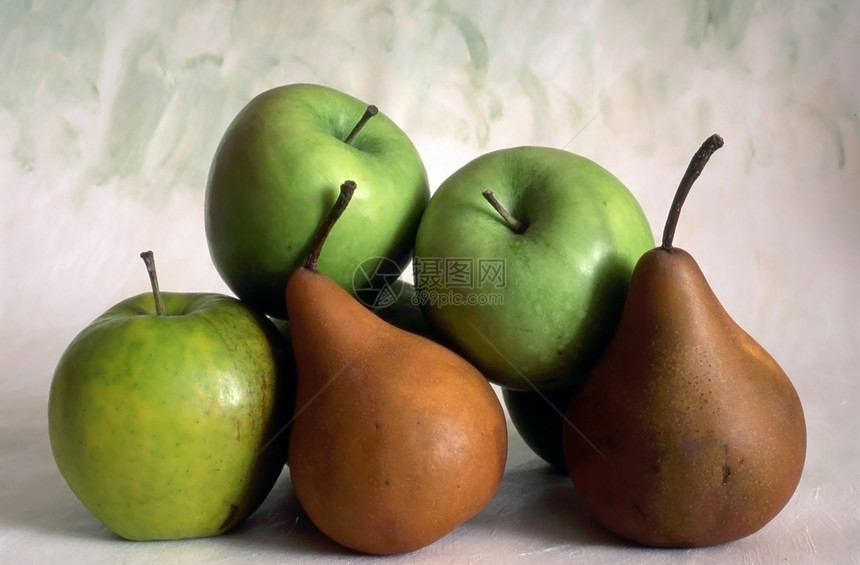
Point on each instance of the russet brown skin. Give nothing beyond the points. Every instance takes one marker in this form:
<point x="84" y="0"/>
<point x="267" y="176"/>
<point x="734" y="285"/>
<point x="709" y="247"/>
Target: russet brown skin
<point x="687" y="433"/>
<point x="396" y="440"/>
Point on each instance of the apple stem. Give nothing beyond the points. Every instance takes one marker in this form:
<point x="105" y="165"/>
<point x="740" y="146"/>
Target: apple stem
<point x="513" y="223"/>
<point x="369" y="113"/>
<point x="149" y="259"/>
<point x="694" y="169"/>
<point x="346" y="191"/>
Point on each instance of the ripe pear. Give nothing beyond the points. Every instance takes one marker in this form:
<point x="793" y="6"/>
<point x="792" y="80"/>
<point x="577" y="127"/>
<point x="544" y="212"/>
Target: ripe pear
<point x="396" y="440"/>
<point x="687" y="432"/>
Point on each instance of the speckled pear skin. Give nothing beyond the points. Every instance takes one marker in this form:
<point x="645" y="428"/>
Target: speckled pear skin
<point x="396" y="440"/>
<point x="167" y="433"/>
<point x="687" y="432"/>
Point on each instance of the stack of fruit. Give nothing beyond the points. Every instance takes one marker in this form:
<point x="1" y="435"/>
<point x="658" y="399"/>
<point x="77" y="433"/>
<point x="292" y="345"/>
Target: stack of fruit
<point x="172" y="415"/>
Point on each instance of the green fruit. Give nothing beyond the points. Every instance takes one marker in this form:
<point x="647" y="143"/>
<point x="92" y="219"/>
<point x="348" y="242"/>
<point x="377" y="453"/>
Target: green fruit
<point x="277" y="172"/>
<point x="175" y="425"/>
<point x="538" y="417"/>
<point x="534" y="304"/>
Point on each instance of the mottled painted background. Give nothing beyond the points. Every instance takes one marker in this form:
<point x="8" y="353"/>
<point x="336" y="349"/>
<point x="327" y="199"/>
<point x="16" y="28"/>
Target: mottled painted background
<point x="110" y="113"/>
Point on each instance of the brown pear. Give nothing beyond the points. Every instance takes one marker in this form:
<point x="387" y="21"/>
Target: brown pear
<point x="396" y="440"/>
<point x="687" y="432"/>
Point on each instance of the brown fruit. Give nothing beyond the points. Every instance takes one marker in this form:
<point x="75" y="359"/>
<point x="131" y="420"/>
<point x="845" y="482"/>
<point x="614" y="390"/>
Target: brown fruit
<point x="396" y="440"/>
<point x="687" y="432"/>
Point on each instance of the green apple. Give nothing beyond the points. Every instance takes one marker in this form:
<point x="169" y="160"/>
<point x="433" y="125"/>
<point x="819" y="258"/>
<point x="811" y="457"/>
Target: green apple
<point x="277" y="172"/>
<point x="531" y="291"/>
<point x="538" y="417"/>
<point x="168" y="414"/>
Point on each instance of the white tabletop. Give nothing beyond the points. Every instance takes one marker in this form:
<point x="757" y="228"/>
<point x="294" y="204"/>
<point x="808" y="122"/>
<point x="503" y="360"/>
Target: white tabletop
<point x="111" y="113"/>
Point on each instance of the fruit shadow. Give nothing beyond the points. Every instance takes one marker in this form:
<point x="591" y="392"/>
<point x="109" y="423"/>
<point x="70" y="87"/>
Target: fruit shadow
<point x="34" y="497"/>
<point x="539" y="503"/>
<point x="281" y="524"/>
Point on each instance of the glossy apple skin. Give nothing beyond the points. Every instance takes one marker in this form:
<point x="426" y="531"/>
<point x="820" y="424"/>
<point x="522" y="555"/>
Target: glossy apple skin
<point x="173" y="426"/>
<point x="565" y="276"/>
<point x="276" y="174"/>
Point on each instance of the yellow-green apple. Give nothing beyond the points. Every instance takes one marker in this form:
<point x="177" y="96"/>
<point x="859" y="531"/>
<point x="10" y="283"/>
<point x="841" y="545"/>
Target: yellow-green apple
<point x="168" y="414"/>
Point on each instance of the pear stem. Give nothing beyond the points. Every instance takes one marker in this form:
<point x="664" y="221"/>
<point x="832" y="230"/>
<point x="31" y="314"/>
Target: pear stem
<point x="369" y="113"/>
<point x="694" y="169"/>
<point x="346" y="191"/>
<point x="149" y="259"/>
<point x="513" y="223"/>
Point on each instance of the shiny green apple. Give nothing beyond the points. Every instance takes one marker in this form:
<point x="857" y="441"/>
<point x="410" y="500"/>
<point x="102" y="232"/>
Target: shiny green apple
<point x="278" y="170"/>
<point x="529" y="292"/>
<point x="174" y="424"/>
